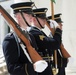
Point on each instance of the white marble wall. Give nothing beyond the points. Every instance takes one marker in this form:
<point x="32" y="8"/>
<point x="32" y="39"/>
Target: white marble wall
<point x="69" y="31"/>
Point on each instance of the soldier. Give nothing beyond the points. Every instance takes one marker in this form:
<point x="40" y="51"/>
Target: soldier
<point x="44" y="43"/>
<point x="16" y="60"/>
<point x="62" y="54"/>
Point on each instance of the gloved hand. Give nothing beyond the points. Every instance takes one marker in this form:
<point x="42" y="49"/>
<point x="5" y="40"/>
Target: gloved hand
<point x="53" y="24"/>
<point x="40" y="66"/>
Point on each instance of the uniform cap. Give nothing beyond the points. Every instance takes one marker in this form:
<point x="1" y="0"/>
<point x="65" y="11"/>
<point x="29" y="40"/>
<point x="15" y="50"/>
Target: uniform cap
<point x="24" y="7"/>
<point x="57" y="18"/>
<point x="40" y="12"/>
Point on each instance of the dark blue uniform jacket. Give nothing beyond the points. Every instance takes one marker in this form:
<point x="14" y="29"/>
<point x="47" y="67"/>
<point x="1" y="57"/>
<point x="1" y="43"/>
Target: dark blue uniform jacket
<point x="44" y="42"/>
<point x="16" y="60"/>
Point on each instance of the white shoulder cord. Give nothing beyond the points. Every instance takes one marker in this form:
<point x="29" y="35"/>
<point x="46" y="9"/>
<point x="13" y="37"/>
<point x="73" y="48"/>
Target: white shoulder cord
<point x="22" y="46"/>
<point x="25" y="52"/>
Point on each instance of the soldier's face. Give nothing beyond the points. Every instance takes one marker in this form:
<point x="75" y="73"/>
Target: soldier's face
<point x="28" y="18"/>
<point x="60" y="25"/>
<point x="42" y="21"/>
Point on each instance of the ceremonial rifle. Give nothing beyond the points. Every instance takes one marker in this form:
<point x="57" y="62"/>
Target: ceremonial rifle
<point x="21" y="34"/>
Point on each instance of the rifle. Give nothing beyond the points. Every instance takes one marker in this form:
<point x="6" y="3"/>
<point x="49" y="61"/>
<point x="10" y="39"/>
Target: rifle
<point x="64" y="52"/>
<point x="21" y="34"/>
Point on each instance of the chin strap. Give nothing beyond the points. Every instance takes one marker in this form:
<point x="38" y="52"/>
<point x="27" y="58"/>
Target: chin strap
<point x="39" y="22"/>
<point x="36" y="17"/>
<point x="24" y="18"/>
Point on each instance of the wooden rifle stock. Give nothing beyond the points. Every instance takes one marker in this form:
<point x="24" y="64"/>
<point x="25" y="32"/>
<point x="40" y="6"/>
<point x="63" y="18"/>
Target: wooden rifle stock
<point x="12" y="23"/>
<point x="63" y="50"/>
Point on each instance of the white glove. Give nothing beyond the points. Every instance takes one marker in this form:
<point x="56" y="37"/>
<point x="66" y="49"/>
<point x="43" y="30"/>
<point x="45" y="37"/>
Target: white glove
<point x="40" y="66"/>
<point x="53" y="24"/>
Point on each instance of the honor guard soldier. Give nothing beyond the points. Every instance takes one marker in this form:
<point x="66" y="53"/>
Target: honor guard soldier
<point x="44" y="43"/>
<point x="62" y="54"/>
<point x="16" y="60"/>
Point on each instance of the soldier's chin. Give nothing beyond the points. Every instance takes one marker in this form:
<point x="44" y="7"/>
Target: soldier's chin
<point x="40" y="66"/>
